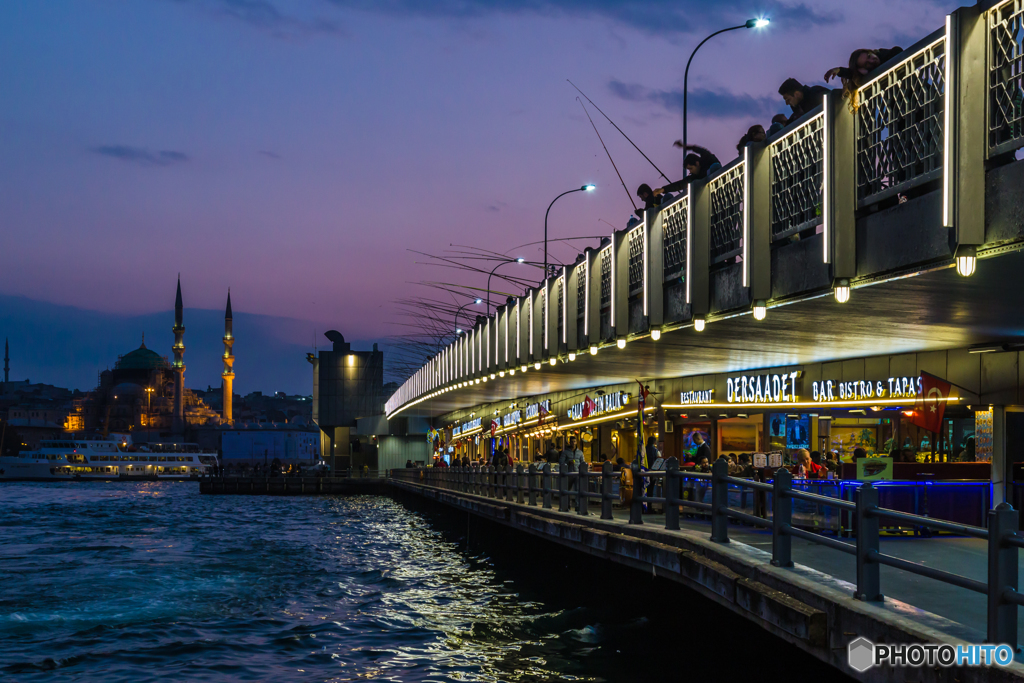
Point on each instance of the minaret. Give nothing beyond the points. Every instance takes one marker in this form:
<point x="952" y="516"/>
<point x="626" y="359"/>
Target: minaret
<point x="229" y="362"/>
<point x="7" y="361"/>
<point x="179" y="364"/>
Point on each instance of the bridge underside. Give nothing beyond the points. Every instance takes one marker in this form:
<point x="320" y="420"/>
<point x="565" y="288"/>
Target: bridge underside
<point x="929" y="310"/>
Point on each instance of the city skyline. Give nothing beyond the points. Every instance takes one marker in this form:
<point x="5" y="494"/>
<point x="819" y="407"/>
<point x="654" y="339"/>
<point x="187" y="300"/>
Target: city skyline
<point x="252" y="145"/>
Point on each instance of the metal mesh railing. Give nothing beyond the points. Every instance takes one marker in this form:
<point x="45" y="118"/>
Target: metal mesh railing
<point x="674" y="221"/>
<point x="796" y="178"/>
<point x="899" y="125"/>
<point x="581" y="290"/>
<point x="1006" y="76"/>
<point x="606" y="277"/>
<point x="726" y="213"/>
<point x="636" y="260"/>
<point x="559" y="283"/>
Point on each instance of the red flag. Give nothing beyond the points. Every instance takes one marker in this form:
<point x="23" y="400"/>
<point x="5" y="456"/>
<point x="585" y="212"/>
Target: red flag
<point x="930" y="406"/>
<point x="589" y="407"/>
<point x="494" y="427"/>
<point x="543" y="413"/>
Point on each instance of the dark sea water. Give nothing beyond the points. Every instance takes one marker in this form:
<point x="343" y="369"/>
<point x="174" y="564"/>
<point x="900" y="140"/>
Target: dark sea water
<point x="152" y="581"/>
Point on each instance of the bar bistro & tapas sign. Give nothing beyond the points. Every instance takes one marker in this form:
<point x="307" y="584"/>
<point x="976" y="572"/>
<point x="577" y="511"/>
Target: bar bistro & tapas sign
<point x="829" y="390"/>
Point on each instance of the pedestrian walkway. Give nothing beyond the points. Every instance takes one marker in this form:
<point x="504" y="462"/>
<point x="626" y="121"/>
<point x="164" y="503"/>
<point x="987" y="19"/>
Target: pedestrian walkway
<point x="965" y="556"/>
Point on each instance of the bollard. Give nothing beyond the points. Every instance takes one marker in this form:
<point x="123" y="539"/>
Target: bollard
<point x="519" y="483"/>
<point x="1003" y="522"/>
<point x="531" y="478"/>
<point x="719" y="501"/>
<point x="782" y="504"/>
<point x="672" y="495"/>
<point x="546" y="485"/>
<point x="582" y="489"/>
<point x="636" y="503"/>
<point x="563" y="487"/>
<point x="868" y="584"/>
<point x="606" y="490"/>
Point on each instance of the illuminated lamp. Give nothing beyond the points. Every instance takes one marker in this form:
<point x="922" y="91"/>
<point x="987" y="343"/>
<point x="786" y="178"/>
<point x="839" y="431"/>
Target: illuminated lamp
<point x="621" y="343"/>
<point x="655" y="335"/>
<point x="524" y="368"/>
<point x="536" y="366"/>
<point x="593" y="349"/>
<point x="698" y="324"/>
<point x="842" y="290"/>
<point x="966" y="260"/>
<point x="760" y="309"/>
<point x="553" y="360"/>
<point x="501" y="373"/>
<point x="572" y="357"/>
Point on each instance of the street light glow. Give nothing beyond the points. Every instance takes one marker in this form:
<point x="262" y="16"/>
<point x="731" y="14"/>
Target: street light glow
<point x="588" y="188"/>
<point x="758" y="23"/>
<point x="520" y="260"/>
<point x="479" y="301"/>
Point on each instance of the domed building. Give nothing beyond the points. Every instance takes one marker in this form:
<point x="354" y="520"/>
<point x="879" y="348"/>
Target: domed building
<point x="145" y="394"/>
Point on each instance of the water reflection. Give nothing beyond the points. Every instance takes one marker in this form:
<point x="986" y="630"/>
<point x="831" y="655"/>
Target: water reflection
<point x="136" y="582"/>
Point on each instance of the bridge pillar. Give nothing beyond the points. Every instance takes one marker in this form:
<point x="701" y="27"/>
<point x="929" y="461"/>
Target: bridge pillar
<point x="592" y="309"/>
<point x="620" y="284"/>
<point x="698" y="249"/>
<point x="757" y="221"/>
<point x="654" y="267"/>
<point x="966" y="123"/>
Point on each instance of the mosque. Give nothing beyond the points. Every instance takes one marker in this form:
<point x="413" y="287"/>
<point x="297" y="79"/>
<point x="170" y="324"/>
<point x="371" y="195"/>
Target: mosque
<point x="145" y="394"/>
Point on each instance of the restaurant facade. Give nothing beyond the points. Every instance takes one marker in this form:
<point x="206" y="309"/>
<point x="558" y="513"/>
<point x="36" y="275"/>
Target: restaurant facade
<point x="829" y="408"/>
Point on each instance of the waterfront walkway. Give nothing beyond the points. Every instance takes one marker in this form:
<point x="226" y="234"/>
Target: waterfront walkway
<point x="965" y="556"/>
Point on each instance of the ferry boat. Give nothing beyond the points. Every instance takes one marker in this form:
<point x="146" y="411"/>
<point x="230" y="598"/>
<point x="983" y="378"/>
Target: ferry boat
<point x="74" y="459"/>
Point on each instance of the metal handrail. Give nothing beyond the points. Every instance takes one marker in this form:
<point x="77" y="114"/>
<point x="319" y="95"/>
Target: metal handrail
<point x="573" y="486"/>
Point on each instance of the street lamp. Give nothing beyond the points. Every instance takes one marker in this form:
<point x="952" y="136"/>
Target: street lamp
<point x="750" y="23"/>
<point x="516" y="260"/>
<point x="149" y="415"/>
<point x="585" y="188"/>
<point x="468" y="303"/>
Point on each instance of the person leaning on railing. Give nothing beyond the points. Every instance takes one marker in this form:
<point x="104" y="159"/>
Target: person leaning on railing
<point x="699" y="163"/>
<point x="801" y="98"/>
<point x="861" y="63"/>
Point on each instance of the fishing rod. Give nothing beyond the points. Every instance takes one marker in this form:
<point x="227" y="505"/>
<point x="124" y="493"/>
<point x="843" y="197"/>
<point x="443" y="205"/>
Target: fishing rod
<point x="608" y="153"/>
<point x="623" y="134"/>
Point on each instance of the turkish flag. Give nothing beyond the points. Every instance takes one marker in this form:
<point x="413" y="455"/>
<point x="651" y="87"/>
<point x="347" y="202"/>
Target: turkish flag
<point x="930" y="406"/>
<point x="589" y="406"/>
<point x="543" y="413"/>
<point x="494" y="427"/>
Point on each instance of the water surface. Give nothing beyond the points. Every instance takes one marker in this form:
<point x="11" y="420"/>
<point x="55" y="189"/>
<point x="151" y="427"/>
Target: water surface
<point x="152" y="581"/>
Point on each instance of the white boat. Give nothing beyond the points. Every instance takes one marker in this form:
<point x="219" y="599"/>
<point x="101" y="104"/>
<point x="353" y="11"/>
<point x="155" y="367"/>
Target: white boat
<point x="73" y="459"/>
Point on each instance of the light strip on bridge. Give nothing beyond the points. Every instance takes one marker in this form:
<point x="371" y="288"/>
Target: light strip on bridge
<point x="607" y="418"/>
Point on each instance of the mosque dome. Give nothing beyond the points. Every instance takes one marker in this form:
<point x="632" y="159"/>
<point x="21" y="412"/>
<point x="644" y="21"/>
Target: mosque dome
<point x="141" y="359"/>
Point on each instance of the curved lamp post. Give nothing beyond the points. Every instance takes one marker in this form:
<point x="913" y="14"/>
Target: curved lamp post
<point x="458" y="330"/>
<point x="503" y="263"/>
<point x="750" y="23"/>
<point x="585" y="188"/>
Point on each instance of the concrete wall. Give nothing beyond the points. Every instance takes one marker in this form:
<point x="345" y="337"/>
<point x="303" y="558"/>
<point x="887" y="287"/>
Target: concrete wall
<point x="394" y="451"/>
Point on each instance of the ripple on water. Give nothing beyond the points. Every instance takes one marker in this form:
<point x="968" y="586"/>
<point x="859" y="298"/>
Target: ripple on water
<point x="140" y="582"/>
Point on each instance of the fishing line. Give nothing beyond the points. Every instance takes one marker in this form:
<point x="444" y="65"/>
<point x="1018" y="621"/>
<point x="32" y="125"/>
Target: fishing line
<point x="608" y="153"/>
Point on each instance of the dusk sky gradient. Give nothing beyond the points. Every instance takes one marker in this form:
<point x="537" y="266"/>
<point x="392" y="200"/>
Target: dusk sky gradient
<point x="294" y="150"/>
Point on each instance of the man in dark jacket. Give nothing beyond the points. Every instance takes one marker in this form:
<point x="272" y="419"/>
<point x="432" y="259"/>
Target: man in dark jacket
<point x="650" y="200"/>
<point x="801" y="98"/>
<point x="703" y="450"/>
<point x="699" y="163"/>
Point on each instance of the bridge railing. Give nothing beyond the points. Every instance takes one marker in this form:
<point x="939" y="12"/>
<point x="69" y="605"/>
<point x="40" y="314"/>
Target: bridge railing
<point x="935" y="119"/>
<point x="542" y="486"/>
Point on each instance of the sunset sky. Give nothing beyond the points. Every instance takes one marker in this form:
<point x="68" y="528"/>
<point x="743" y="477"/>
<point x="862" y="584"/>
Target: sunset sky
<point x="295" y="150"/>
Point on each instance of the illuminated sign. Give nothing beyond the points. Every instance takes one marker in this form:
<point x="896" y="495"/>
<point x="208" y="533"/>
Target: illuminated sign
<point x="690" y="397"/>
<point x="601" y="404"/>
<point x="467" y="427"/>
<point x="531" y="411"/>
<point x="830" y="390"/>
<point x="762" y="388"/>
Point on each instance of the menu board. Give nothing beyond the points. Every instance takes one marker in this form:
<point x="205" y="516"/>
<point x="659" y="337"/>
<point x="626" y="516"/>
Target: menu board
<point x="775" y="460"/>
<point x="760" y="460"/>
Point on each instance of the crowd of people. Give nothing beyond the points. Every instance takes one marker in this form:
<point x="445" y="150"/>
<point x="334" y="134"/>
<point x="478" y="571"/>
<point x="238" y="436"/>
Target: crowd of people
<point x="801" y="100"/>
